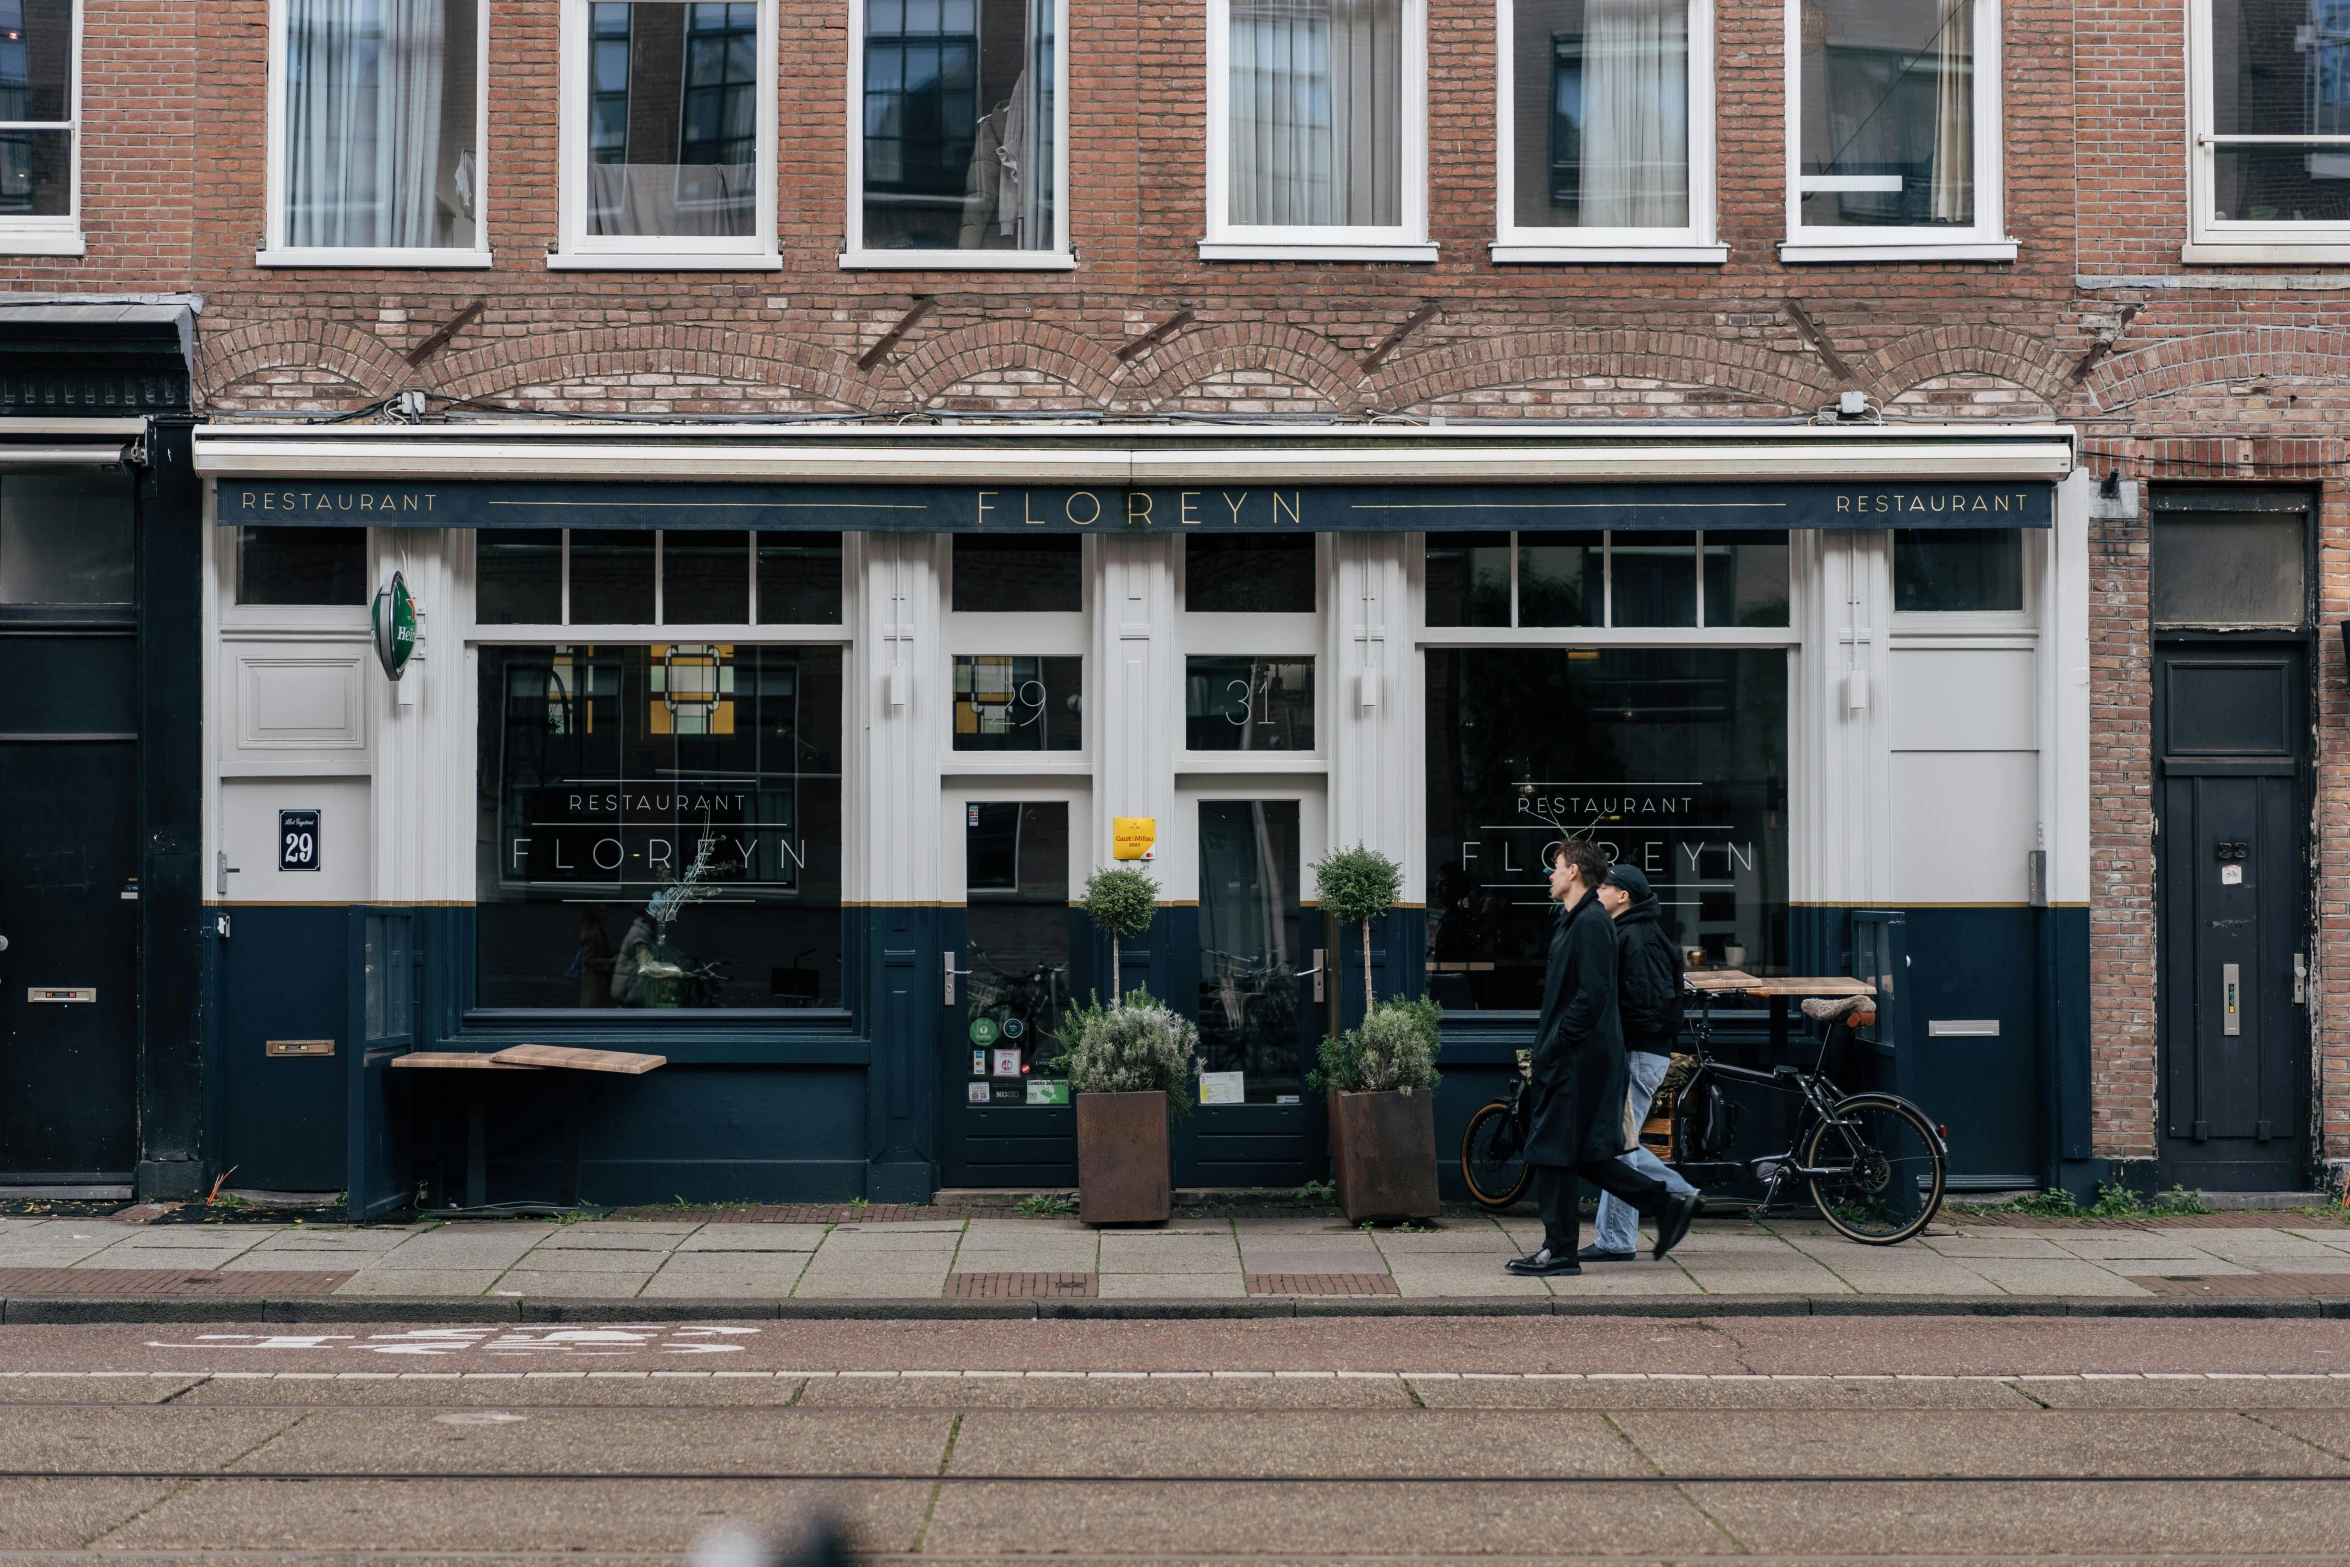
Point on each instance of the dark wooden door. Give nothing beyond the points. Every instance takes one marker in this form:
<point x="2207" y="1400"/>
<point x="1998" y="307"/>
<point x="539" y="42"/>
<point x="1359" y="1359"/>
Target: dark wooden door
<point x="69" y="859"/>
<point x="2231" y="733"/>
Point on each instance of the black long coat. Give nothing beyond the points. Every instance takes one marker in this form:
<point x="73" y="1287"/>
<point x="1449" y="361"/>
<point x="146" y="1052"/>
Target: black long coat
<point x="1580" y="1075"/>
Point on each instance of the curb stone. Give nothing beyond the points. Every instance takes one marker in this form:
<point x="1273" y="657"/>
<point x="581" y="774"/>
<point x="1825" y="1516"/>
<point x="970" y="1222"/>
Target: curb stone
<point x="72" y="1309"/>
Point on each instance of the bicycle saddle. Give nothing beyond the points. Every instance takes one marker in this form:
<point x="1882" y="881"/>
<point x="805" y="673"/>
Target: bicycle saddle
<point x="1839" y="1009"/>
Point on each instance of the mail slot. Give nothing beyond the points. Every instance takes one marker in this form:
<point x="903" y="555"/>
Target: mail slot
<point x="298" y="1047"/>
<point x="64" y="993"/>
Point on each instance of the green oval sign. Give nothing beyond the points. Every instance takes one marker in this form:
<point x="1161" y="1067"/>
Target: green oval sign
<point x="394" y="620"/>
<point x="983" y="1031"/>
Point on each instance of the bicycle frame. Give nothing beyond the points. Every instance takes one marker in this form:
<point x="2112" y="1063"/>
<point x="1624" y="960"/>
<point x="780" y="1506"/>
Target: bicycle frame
<point x="1820" y="1097"/>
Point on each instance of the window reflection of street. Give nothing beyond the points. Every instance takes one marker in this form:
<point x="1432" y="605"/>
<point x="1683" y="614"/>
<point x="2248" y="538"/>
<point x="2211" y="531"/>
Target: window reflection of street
<point x="1248" y="921"/>
<point x="1016" y="932"/>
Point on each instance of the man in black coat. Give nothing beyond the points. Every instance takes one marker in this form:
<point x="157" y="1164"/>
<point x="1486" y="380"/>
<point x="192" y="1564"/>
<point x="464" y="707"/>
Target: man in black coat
<point x="1648" y="999"/>
<point x="1580" y="1078"/>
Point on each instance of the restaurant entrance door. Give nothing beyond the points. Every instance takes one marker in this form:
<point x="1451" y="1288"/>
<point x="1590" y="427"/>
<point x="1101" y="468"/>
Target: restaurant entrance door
<point x="1008" y="1119"/>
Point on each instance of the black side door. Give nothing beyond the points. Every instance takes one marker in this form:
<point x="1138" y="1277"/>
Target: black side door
<point x="69" y="830"/>
<point x="2231" y="733"/>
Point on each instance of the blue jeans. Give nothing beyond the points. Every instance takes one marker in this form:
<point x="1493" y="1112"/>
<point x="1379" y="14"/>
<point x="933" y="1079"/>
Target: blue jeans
<point x="1619" y="1221"/>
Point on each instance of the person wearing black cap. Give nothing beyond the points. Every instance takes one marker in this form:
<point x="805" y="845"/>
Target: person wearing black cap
<point x="1579" y="1079"/>
<point x="1648" y="999"/>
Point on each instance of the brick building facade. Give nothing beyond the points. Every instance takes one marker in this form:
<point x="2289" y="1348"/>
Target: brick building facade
<point x="2169" y="372"/>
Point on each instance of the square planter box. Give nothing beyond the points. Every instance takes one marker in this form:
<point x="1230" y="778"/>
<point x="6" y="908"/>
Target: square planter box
<point x="1383" y="1150"/>
<point x="1122" y="1159"/>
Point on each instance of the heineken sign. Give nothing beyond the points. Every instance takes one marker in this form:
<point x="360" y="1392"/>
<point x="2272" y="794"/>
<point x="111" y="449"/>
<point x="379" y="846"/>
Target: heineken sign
<point x="394" y="619"/>
<point x="1013" y="508"/>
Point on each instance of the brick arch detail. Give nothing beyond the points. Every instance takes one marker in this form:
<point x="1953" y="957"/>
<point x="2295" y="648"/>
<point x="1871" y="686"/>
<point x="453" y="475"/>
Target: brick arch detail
<point x="1305" y="358"/>
<point x="2176" y="364"/>
<point x="726" y="354"/>
<point x="1451" y="369"/>
<point x="934" y="364"/>
<point x="364" y="360"/>
<point x="2033" y="364"/>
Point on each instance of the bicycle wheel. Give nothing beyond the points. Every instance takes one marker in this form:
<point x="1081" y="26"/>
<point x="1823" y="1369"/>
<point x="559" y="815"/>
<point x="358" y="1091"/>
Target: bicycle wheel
<point x="1492" y="1162"/>
<point x="1894" y="1167"/>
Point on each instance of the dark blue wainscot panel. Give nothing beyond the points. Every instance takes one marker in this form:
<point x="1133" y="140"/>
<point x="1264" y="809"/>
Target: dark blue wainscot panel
<point x="282" y="975"/>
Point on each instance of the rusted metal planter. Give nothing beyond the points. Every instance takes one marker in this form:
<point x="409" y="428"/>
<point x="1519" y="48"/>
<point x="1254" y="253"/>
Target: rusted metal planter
<point x="1383" y="1152"/>
<point x="1122" y="1159"/>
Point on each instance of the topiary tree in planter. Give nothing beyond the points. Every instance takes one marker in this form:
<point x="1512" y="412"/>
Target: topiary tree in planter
<point x="1357" y="884"/>
<point x="1121" y="901"/>
<point x="1136" y="1045"/>
<point x="1130" y="1066"/>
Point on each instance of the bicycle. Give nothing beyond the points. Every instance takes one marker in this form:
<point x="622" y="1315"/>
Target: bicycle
<point x="1875" y="1167"/>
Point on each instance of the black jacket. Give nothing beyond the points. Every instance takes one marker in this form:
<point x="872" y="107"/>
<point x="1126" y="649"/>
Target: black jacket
<point x="1648" y="980"/>
<point x="1580" y="1075"/>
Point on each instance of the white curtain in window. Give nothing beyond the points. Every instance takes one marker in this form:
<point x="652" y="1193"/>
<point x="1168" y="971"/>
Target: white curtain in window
<point x="1316" y="112"/>
<point x="1636" y="114"/>
<point x="1954" y="115"/>
<point x="363" y="122"/>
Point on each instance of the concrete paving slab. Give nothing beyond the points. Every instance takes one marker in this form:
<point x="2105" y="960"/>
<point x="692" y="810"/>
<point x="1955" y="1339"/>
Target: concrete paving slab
<point x="1263" y="1444"/>
<point x="2176" y="1267"/>
<point x="2080" y="1444"/>
<point x="1415" y="1276"/>
<point x="368" y="1242"/>
<point x="2101" y="1520"/>
<point x="1222" y="1285"/>
<point x="191" y="1236"/>
<point x="599" y="1285"/>
<point x="1994" y="1243"/>
<point x="66" y="1515"/>
<point x="1479" y="1238"/>
<point x="871" y="1244"/>
<point x="551" y="1259"/>
<point x="475" y="1516"/>
<point x="1908" y="1277"/>
<point x="910" y="1227"/>
<point x="181" y="1257"/>
<point x="754" y="1237"/>
<point x="1129" y="1254"/>
<point x="2274" y="1262"/>
<point x="719" y="1286"/>
<point x="420" y="1281"/>
<point x="1325" y="1260"/>
<point x="1788" y="1273"/>
<point x="2327" y="1429"/>
<point x="1723" y="1397"/>
<point x="49" y="1253"/>
<point x="2107" y="1245"/>
<point x="871" y="1284"/>
<point x="1625" y="1278"/>
<point x="294" y="1262"/>
<point x="767" y="1264"/>
<point x="2029" y="1277"/>
<point x="1319" y="1522"/>
<point x="2156" y="1393"/>
<point x="1021" y="1229"/>
<point x="1700" y="1243"/>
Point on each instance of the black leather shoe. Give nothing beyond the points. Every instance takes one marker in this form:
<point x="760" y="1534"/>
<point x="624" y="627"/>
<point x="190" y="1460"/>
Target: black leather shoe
<point x="1600" y="1254"/>
<point x="1539" y="1266"/>
<point x="1673" y="1223"/>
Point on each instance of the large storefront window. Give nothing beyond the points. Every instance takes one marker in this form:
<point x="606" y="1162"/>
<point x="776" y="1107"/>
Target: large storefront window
<point x="660" y="827"/>
<point x="1675" y="760"/>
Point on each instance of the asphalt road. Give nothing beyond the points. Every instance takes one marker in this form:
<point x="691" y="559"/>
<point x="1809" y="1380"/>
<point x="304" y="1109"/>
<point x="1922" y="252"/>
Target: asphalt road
<point x="1615" y="1439"/>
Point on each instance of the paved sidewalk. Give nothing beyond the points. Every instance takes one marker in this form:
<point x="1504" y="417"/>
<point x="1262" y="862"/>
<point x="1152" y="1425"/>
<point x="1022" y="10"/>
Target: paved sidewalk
<point x="1201" y="1260"/>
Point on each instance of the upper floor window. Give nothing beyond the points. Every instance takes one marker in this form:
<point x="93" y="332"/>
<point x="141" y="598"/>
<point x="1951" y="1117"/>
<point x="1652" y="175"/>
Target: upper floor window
<point x="377" y="126"/>
<point x="1606" y="131"/>
<point x="40" y="145"/>
<point x="668" y="134"/>
<point x="1317" y="130"/>
<point x="956" y="143"/>
<point x="1893" y="144"/>
<point x="2271" y="112"/>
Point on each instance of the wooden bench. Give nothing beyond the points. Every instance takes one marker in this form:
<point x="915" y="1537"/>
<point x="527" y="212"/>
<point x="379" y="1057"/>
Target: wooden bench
<point x="523" y="1058"/>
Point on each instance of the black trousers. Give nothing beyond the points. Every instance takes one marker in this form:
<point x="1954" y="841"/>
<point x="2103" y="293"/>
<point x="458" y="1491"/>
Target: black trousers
<point x="1558" y="1196"/>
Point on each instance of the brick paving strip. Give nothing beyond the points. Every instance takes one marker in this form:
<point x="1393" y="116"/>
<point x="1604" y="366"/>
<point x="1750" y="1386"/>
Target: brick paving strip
<point x="166" y="1281"/>
<point x="1020" y="1286"/>
<point x="1321" y="1284"/>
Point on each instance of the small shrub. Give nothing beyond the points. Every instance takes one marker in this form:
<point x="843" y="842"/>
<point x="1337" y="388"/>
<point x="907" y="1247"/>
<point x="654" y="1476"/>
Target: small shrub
<point x="1128" y="1047"/>
<point x="1394" y="1049"/>
<point x="2176" y="1202"/>
<point x="2057" y="1204"/>
<point x="1318" y="1191"/>
<point x="1047" y="1205"/>
<point x="1356" y="884"/>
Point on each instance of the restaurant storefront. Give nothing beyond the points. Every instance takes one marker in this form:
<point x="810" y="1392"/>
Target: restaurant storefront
<point x="779" y="753"/>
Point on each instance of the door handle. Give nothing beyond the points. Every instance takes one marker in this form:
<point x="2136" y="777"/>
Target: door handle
<point x="3" y="943"/>
<point x="222" y="871"/>
<point x="2300" y="976"/>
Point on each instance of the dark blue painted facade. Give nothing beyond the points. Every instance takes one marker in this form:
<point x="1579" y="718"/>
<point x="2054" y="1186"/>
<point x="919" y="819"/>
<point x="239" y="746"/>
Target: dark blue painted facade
<point x="818" y="1106"/>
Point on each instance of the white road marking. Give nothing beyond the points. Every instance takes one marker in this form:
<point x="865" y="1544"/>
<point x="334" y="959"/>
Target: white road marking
<point x="668" y="1339"/>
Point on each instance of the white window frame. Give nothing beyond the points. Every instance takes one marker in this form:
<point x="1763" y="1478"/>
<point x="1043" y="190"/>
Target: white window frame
<point x="1406" y="241"/>
<point x="1694" y="242"/>
<point x="60" y="235"/>
<point x="579" y="250"/>
<point x="1058" y="258"/>
<point x="1986" y="241"/>
<point x="275" y="252"/>
<point x="2209" y="240"/>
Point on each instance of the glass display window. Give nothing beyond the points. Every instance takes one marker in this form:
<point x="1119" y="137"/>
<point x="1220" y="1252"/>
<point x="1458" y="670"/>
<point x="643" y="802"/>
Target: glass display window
<point x="1010" y="702"/>
<point x="660" y="827"/>
<point x="1674" y="760"/>
<point x="1592" y="578"/>
<point x="1239" y="703"/>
